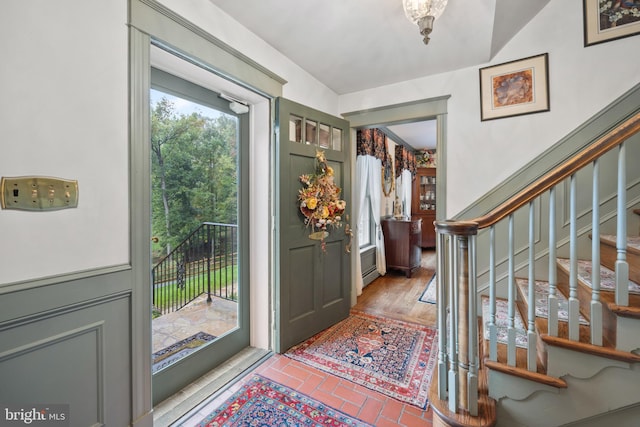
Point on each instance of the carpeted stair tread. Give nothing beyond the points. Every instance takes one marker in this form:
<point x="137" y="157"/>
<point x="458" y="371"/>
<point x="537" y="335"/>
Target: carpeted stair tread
<point x="542" y="300"/>
<point x="607" y="294"/>
<point x="609" y="254"/>
<point x="633" y="242"/>
<point x="607" y="276"/>
<point x="502" y="322"/>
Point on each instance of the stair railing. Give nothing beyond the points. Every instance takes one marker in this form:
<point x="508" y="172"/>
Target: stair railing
<point x="457" y="275"/>
<point x="204" y="262"/>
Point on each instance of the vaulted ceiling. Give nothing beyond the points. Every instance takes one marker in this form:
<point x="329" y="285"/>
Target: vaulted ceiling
<point x="353" y="45"/>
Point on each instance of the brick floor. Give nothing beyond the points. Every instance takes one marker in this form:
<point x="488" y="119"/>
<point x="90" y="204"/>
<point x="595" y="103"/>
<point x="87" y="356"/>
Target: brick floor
<point x="352" y="399"/>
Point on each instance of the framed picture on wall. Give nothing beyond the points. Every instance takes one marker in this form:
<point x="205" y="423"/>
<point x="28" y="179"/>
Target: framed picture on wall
<point x="514" y="88"/>
<point x="606" y="20"/>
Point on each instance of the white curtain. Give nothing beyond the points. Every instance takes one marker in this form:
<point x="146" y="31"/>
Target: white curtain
<point x="407" y="187"/>
<point x="369" y="177"/>
<point x="375" y="195"/>
<point x="404" y="186"/>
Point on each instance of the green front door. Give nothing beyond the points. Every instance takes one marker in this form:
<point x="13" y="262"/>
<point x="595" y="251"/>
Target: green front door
<point x="313" y="286"/>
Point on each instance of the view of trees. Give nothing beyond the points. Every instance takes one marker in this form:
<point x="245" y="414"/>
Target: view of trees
<point x="194" y="173"/>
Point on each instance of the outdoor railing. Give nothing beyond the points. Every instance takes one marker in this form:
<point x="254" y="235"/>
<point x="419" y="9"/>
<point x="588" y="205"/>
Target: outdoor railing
<point x="205" y="262"/>
<point x="459" y="245"/>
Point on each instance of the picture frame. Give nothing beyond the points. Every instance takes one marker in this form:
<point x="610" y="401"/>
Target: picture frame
<point x="515" y="88"/>
<point x="606" y="20"/>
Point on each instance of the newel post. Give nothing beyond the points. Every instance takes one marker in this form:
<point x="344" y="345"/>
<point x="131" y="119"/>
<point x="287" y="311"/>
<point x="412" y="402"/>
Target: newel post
<point x="457" y="315"/>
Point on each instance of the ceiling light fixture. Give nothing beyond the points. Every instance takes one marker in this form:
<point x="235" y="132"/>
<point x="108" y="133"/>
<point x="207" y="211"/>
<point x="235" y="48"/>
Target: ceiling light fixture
<point x="423" y="13"/>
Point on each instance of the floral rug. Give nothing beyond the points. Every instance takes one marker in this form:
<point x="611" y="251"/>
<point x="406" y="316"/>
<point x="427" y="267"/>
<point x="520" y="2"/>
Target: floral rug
<point x="178" y="350"/>
<point x="392" y="357"/>
<point x="542" y="301"/>
<point x="502" y="322"/>
<point x="263" y="402"/>
<point x="607" y="277"/>
<point x="430" y="292"/>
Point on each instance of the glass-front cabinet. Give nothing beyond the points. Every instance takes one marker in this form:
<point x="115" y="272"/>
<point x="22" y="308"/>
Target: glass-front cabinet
<point x="424" y="204"/>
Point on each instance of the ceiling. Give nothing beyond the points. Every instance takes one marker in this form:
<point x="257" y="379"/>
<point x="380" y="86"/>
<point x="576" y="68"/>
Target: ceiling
<point x="353" y="45"/>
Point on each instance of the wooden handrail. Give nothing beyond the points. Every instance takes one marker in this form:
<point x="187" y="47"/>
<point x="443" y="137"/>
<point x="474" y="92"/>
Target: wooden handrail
<point x="610" y="140"/>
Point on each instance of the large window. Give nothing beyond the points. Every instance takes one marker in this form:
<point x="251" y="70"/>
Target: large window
<point x="366" y="226"/>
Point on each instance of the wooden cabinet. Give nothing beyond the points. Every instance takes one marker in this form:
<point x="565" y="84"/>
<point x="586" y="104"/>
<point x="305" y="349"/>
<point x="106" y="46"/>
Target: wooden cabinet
<point x="423" y="204"/>
<point x="402" y="243"/>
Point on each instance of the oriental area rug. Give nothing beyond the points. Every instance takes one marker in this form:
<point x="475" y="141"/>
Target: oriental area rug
<point x="392" y="357"/>
<point x="430" y="292"/>
<point x="180" y="349"/>
<point x="263" y="402"/>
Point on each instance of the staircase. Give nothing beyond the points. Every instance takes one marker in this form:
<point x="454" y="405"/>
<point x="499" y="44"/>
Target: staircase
<point x="547" y="331"/>
<point x="567" y="371"/>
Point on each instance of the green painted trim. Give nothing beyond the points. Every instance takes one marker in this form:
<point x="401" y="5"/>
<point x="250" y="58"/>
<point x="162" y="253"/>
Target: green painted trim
<point x="609" y="117"/>
<point x="52" y="313"/>
<point x="24" y="285"/>
<point x="409" y="112"/>
<point x="140" y="214"/>
<point x="406" y="112"/>
<point x="191" y="41"/>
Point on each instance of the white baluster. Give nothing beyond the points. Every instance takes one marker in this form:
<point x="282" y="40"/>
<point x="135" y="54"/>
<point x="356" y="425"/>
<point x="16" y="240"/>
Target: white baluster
<point x="493" y="329"/>
<point x="511" y="330"/>
<point x="553" y="267"/>
<point x="472" y="377"/>
<point x="531" y="315"/>
<point x="596" y="305"/>
<point x="453" y="324"/>
<point x="574" y="306"/>
<point x="443" y="304"/>
<point x="622" y="266"/>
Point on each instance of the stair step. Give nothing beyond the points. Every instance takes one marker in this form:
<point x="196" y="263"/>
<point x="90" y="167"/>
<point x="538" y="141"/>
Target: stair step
<point x="520" y="370"/>
<point x="633" y="242"/>
<point x="542" y="300"/>
<point x="524" y="373"/>
<point x="502" y="322"/>
<point x="609" y="254"/>
<point x="608" y="352"/>
<point x="607" y="286"/>
<point x="607" y="276"/>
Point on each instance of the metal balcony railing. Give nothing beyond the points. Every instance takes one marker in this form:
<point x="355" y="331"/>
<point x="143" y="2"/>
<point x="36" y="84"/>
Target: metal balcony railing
<point x="205" y="262"/>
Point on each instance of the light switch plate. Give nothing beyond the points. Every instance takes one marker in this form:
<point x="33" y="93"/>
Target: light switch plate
<point x="38" y="193"/>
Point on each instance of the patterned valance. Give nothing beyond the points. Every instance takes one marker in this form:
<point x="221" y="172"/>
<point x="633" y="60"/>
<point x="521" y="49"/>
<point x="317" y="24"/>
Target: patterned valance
<point x="372" y="142"/>
<point x="405" y="159"/>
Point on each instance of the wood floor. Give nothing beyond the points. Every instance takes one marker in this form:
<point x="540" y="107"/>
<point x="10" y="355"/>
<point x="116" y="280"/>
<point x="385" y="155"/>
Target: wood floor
<point x="396" y="296"/>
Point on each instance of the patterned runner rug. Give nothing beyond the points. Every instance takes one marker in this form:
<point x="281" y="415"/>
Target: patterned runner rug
<point x="607" y="277"/>
<point x="542" y="300"/>
<point x="502" y="322"/>
<point x="392" y="357"/>
<point x="429" y="294"/>
<point x="263" y="402"/>
<point x="178" y="350"/>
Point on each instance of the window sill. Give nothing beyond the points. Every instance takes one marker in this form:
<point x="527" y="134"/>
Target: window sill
<point x="367" y="248"/>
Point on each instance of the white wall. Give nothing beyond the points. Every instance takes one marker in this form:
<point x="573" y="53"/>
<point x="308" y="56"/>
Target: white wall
<point x="301" y="86"/>
<point x="480" y="155"/>
<point x="63" y="113"/>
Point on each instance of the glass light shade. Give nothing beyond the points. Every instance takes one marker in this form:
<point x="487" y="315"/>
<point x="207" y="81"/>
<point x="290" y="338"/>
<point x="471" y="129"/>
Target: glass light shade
<point x="418" y="9"/>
